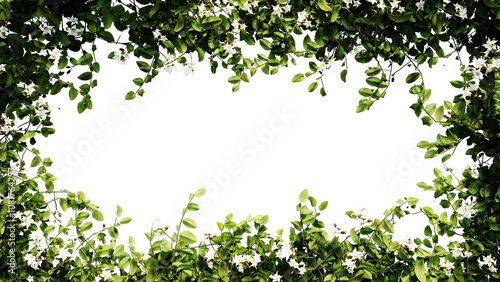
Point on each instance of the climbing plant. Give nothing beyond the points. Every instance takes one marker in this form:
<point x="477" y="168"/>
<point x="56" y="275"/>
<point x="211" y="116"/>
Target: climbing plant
<point x="42" y="42"/>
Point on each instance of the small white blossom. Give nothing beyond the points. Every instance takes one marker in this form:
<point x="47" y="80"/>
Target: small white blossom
<point x="276" y="277"/>
<point x="420" y="5"/>
<point x="4" y="32"/>
<point x="466" y="209"/>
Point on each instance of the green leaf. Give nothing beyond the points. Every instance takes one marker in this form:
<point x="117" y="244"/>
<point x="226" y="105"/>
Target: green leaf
<point x="3" y="155"/>
<point x="28" y="135"/>
<point x="343" y="75"/>
<point x="189" y="223"/>
<point x="36" y="160"/>
<point x="234" y="79"/>
<point x="118" y="210"/>
<point x="180" y="23"/>
<point x="457" y="84"/>
<point x="151" y="276"/>
<point x="387" y="226"/>
<point x="200" y="192"/>
<point x="130" y="95"/>
<point x="188" y="237"/>
<point x="324" y="6"/>
<point x="412" y="77"/>
<point x="97" y="215"/>
<point x="304" y="196"/>
<point x="323" y="205"/>
<point x="86" y="226"/>
<point x="125" y="220"/>
<point x="420" y="270"/>
<point x="85" y="76"/>
<point x="113" y="232"/>
<point x="313" y="86"/>
<point x="138" y="81"/>
<point x="107" y="18"/>
<point x="431" y="154"/>
<point x="298" y="77"/>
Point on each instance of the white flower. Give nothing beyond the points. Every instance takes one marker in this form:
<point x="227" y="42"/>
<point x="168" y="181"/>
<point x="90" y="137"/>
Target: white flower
<point x="46" y="29"/>
<point x="210" y="254"/>
<point x="466" y="209"/>
<point x="490" y="44"/>
<point x="30" y="278"/>
<point x="73" y="20"/>
<point x="64" y="254"/>
<point x="2" y="67"/>
<point x="188" y="68"/>
<point x="276" y="277"/>
<point x="492" y="269"/>
<point x="293" y="263"/>
<point x="351" y="265"/>
<point x="467" y="254"/>
<point x="355" y="254"/>
<point x="55" y="262"/>
<point x="121" y="56"/>
<point x="287" y="8"/>
<point x="478" y="63"/>
<point x="460" y="11"/>
<point x="74" y="30"/>
<point x="169" y="67"/>
<point x="457" y="252"/>
<point x="15" y="168"/>
<point x="420" y="5"/>
<point x="106" y="274"/>
<point x="277" y="10"/>
<point x="409" y="244"/>
<point x="4" y="32"/>
<point x="284" y="252"/>
<point x="487" y="260"/>
<point x="448" y="266"/>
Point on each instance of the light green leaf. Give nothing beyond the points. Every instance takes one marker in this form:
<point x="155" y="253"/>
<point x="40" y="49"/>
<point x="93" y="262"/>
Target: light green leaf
<point x="188" y="222"/>
<point x="298" y="77"/>
<point x="303" y="196"/>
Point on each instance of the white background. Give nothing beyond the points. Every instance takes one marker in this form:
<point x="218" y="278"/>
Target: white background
<point x="148" y="154"/>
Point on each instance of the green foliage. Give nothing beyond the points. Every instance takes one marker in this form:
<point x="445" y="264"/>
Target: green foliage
<point x="41" y="42"/>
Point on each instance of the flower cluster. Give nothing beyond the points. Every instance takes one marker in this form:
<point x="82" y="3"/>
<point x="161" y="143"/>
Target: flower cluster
<point x="34" y="261"/>
<point x="354" y="3"/>
<point x="358" y="47"/>
<point x="44" y="26"/>
<point x="460" y="11"/>
<point x="121" y="56"/>
<point x="26" y="218"/>
<point x="74" y="27"/>
<point x="279" y="9"/>
<point x="158" y="229"/>
<point x="251" y="260"/>
<point x="287" y="252"/>
<point x="208" y="236"/>
<point x="239" y="25"/>
<point x="408" y="244"/>
<point x="396" y="7"/>
<point x="204" y="10"/>
<point x="41" y="108"/>
<point x="362" y="219"/>
<point x="158" y="34"/>
<point x="489" y="262"/>
<point x="37" y="240"/>
<point x="15" y="168"/>
<point x="225" y="8"/>
<point x="250" y="6"/>
<point x="459" y="252"/>
<point x="448" y="267"/>
<point x="466" y="209"/>
<point x="338" y="228"/>
<point x="7" y="125"/>
<point x="474" y="169"/>
<point x="350" y="260"/>
<point x="27" y="89"/>
<point x="271" y="236"/>
<point x="304" y="18"/>
<point x="230" y="47"/>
